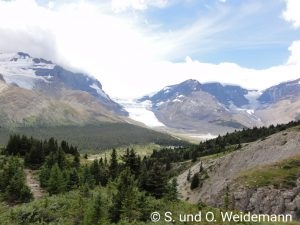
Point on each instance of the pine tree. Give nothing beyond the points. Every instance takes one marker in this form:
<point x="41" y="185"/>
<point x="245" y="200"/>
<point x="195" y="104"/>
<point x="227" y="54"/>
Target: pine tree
<point x="73" y="180"/>
<point x="56" y="183"/>
<point x="188" y="178"/>
<point x="156" y="182"/>
<point x="132" y="161"/>
<point x="194" y="156"/>
<point x="16" y="190"/>
<point x="76" y="161"/>
<point x="95" y="171"/>
<point x="87" y="178"/>
<point x="96" y="213"/>
<point x="172" y="193"/>
<point x="35" y="157"/>
<point x="201" y="167"/>
<point x="195" y="181"/>
<point x="114" y="166"/>
<point x="125" y="201"/>
<point x="52" y="145"/>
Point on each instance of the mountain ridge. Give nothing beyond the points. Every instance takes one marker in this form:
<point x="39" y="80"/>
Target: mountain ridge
<point x="217" y="108"/>
<point x="49" y="78"/>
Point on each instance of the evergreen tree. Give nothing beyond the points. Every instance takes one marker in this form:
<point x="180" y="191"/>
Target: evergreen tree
<point x="195" y="181"/>
<point x="52" y="145"/>
<point x="194" y="156"/>
<point x="132" y="161"/>
<point x="65" y="147"/>
<point x="13" y="144"/>
<point x="35" y="157"/>
<point x="87" y="178"/>
<point x="73" y="180"/>
<point x="125" y="201"/>
<point x="201" y="167"/>
<point x="76" y="161"/>
<point x="95" y="171"/>
<point x="172" y="193"/>
<point x="188" y="178"/>
<point x="56" y="182"/>
<point x="44" y="176"/>
<point x="96" y="213"/>
<point x="16" y="190"/>
<point x="156" y="182"/>
<point x="86" y="156"/>
<point x="61" y="158"/>
<point x="114" y="166"/>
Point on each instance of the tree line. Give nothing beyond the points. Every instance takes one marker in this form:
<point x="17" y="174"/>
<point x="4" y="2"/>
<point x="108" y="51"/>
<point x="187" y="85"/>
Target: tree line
<point x="232" y="141"/>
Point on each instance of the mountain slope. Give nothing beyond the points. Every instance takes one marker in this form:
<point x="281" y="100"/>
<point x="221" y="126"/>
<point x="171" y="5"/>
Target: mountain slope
<point x="287" y="90"/>
<point x="223" y="171"/>
<point x="211" y="107"/>
<point x="23" y="107"/>
<point x="51" y="79"/>
<point x="40" y="98"/>
<point x="227" y="94"/>
<point x="280" y="103"/>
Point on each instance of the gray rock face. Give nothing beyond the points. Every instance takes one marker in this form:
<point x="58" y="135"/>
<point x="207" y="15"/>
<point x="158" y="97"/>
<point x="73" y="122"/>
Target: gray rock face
<point x="286" y="90"/>
<point x="267" y="200"/>
<point x="209" y="107"/>
<point x="224" y="170"/>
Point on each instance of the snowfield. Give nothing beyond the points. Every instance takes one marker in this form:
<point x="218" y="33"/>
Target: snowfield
<point x="140" y="112"/>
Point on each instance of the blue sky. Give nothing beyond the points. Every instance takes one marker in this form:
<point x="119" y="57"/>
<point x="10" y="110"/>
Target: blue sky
<point x="128" y="44"/>
<point x="237" y="31"/>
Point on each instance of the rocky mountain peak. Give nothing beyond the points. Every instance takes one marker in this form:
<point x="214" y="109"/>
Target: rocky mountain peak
<point x="227" y="94"/>
<point x="42" y="75"/>
<point x="286" y="90"/>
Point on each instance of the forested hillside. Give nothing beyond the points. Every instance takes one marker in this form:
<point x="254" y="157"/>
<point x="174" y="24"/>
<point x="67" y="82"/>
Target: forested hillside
<point x="113" y="189"/>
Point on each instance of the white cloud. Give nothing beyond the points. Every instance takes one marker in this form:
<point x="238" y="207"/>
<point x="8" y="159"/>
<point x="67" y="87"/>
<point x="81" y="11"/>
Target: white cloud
<point x="79" y="35"/>
<point x="154" y="76"/>
<point x="295" y="53"/>
<point x="128" y="59"/>
<point x="291" y="14"/>
<point x="123" y="5"/>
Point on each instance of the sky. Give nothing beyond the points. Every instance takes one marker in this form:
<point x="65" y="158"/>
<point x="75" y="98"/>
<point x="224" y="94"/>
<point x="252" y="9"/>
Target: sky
<point x="137" y="47"/>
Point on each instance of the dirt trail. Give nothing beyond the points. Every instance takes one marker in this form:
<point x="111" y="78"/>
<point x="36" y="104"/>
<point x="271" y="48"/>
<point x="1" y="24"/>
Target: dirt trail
<point x="34" y="185"/>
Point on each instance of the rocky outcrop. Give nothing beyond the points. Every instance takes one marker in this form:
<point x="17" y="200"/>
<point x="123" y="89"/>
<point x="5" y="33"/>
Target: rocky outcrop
<point x="223" y="171"/>
<point x="267" y="200"/>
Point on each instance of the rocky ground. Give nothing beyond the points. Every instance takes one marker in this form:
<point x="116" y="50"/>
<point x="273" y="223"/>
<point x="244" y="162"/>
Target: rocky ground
<point x="223" y="170"/>
<point x="34" y="184"/>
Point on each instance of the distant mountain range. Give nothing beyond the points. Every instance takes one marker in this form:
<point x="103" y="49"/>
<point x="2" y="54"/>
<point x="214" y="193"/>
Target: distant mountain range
<point x="22" y="70"/>
<point x="218" y="108"/>
<point x="41" y="98"/>
<point x="35" y="91"/>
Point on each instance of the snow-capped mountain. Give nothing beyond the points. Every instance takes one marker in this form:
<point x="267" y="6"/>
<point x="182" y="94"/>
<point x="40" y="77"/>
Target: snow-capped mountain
<point x="172" y="92"/>
<point x="36" y="90"/>
<point x="41" y="75"/>
<point x="207" y="108"/>
<point x="218" y="108"/>
<point x="224" y="93"/>
<point x="227" y="94"/>
<point x="286" y="90"/>
<point x="280" y="103"/>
